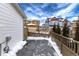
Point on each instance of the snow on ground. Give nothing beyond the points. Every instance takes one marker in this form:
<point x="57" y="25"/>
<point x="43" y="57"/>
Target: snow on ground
<point x="51" y="43"/>
<point x="36" y="38"/>
<point x="15" y="49"/>
<point x="20" y="45"/>
<point x="37" y="48"/>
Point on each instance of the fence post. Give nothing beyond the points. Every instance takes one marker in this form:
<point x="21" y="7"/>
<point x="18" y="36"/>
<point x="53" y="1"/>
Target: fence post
<point x="75" y="47"/>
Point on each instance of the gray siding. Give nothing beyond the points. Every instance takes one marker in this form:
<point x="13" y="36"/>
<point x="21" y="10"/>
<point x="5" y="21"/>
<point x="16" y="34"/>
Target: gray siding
<point x="11" y="24"/>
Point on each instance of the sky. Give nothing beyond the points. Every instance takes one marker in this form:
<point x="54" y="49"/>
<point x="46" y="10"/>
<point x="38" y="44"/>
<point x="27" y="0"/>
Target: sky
<point x="42" y="11"/>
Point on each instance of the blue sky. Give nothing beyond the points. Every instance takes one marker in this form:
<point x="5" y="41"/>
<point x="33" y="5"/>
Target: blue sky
<point x="41" y="11"/>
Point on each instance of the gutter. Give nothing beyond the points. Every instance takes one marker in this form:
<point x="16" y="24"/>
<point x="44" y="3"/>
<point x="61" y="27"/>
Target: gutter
<point x="19" y="10"/>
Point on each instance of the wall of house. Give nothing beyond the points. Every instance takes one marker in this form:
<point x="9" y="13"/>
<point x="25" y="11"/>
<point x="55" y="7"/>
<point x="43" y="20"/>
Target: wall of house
<point x="11" y="24"/>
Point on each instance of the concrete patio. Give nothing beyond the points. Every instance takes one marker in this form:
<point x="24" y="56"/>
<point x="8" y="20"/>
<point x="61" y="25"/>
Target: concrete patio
<point x="37" y="48"/>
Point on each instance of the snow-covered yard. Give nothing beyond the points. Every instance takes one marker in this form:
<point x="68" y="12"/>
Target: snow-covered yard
<point x="39" y="50"/>
<point x="51" y="41"/>
<point x="15" y="49"/>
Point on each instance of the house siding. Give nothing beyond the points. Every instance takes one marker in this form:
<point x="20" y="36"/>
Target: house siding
<point x="11" y="24"/>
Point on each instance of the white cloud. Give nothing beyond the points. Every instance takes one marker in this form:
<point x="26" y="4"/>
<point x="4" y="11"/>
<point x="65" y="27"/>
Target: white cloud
<point x="34" y="18"/>
<point x="60" y="5"/>
<point x="65" y="11"/>
<point x="43" y="18"/>
<point x="73" y="18"/>
<point x="40" y="13"/>
<point x="70" y="14"/>
<point x="29" y="9"/>
<point x="37" y="10"/>
<point x="52" y="16"/>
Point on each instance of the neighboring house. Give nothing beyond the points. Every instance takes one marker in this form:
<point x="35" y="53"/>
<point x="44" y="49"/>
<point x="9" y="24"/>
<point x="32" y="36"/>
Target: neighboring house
<point x="61" y="22"/>
<point x="53" y="21"/>
<point x="11" y="25"/>
<point x="33" y="26"/>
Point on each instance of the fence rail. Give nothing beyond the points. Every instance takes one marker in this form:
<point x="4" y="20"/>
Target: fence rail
<point x="67" y="46"/>
<point x="38" y="34"/>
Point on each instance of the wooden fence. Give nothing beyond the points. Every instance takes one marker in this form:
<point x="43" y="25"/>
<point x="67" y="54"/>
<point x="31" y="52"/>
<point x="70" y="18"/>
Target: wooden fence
<point x="38" y="34"/>
<point x="67" y="46"/>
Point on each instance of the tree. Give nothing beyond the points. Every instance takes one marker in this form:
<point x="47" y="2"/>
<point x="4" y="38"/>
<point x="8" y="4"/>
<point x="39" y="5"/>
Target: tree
<point x="66" y="30"/>
<point x="54" y="28"/>
<point x="58" y="29"/>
